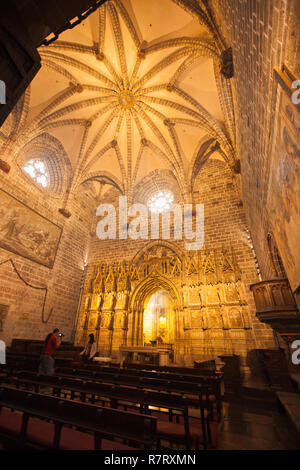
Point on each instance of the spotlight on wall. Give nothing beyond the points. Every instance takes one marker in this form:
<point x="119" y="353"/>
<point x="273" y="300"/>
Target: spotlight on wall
<point x="4" y="166"/>
<point x="65" y="213"/>
<point x="237" y="167"/>
<point x="227" y="68"/>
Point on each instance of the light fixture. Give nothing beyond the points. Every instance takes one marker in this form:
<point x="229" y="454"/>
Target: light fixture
<point x="161" y="202"/>
<point x="4" y="166"/>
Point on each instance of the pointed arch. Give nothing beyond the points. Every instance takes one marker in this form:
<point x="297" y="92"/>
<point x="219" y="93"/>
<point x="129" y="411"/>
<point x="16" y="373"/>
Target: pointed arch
<point x="174" y="248"/>
<point x="102" y="177"/>
<point x="205" y="148"/>
<point x="149" y="286"/>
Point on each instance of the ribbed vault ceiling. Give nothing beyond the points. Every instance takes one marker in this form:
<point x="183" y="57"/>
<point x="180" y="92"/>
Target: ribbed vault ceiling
<point x="133" y="89"/>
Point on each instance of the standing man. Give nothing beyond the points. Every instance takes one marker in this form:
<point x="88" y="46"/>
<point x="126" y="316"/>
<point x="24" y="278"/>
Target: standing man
<point x="52" y="342"/>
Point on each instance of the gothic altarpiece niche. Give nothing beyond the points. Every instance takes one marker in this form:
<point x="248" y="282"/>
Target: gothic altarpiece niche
<point x="210" y="315"/>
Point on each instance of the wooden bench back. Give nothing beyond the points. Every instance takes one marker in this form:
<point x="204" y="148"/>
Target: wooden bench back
<point x="172" y="369"/>
<point x="138" y="427"/>
<point x="151" y="373"/>
<point x="134" y="375"/>
<point x="112" y="391"/>
<point x="211" y="386"/>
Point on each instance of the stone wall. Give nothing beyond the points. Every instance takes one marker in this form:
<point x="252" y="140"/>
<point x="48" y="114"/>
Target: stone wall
<point x="263" y="35"/>
<point x="24" y="318"/>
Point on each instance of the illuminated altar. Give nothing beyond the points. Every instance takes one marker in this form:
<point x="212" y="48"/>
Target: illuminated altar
<point x="158" y="355"/>
<point x="194" y="302"/>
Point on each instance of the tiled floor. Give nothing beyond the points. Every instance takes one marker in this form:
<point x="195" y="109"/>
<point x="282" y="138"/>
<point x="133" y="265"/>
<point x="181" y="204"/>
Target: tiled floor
<point x="251" y="429"/>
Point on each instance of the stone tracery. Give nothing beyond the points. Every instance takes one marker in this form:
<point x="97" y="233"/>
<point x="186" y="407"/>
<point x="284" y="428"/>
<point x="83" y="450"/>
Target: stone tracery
<point x="211" y="312"/>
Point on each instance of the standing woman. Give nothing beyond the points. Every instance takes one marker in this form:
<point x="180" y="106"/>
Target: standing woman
<point x="90" y="350"/>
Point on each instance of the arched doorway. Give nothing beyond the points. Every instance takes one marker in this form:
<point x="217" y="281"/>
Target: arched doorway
<point x="158" y="318"/>
<point x="160" y="290"/>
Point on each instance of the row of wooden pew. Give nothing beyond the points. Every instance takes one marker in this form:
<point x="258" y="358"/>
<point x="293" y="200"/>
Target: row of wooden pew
<point x="199" y="371"/>
<point x="153" y="371"/>
<point x="163" y="397"/>
<point x="184" y="374"/>
<point x="210" y="387"/>
<point x="209" y="368"/>
<point x="183" y="384"/>
<point x="168" y="381"/>
<point x="33" y="420"/>
<point x="164" y="406"/>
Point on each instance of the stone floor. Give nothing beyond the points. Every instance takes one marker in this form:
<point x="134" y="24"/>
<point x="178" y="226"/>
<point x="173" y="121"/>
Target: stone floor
<point x="254" y="420"/>
<point x="245" y="428"/>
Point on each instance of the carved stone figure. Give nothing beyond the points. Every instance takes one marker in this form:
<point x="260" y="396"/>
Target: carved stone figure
<point x="211" y="292"/>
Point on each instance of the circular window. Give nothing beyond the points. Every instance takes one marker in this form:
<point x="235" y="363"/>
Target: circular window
<point x="161" y="202"/>
<point x="37" y="170"/>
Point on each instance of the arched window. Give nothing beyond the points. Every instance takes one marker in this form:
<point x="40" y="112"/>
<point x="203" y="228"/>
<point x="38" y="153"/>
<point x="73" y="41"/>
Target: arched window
<point x="37" y="170"/>
<point x="277" y="265"/>
<point x="161" y="202"/>
<point x="45" y="162"/>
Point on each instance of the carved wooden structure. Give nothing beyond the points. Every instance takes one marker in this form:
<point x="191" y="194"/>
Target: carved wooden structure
<point x="276" y="306"/>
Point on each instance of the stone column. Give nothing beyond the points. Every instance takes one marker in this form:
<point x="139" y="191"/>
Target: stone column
<point x="187" y="325"/>
<point x="118" y="330"/>
<point x="179" y="353"/>
<point x="138" y="337"/>
<point x="104" y="341"/>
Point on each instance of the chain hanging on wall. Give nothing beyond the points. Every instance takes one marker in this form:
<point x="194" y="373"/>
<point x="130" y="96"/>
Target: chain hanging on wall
<point x="32" y="287"/>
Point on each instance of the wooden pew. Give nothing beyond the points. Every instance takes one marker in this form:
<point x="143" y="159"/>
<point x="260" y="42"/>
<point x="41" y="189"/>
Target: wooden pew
<point x="112" y="391"/>
<point x="144" y="379"/>
<point x="134" y="368"/>
<point x="33" y="348"/>
<point x="144" y="368"/>
<point x="208" y="365"/>
<point x="150" y="373"/>
<point x="147" y="374"/>
<point x="103" y="423"/>
<point x="30" y="361"/>
<point x="209" y="389"/>
<point x="172" y="369"/>
<point x="213" y="385"/>
<point x="130" y="377"/>
<point x="201" y="432"/>
<point x="137" y="380"/>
